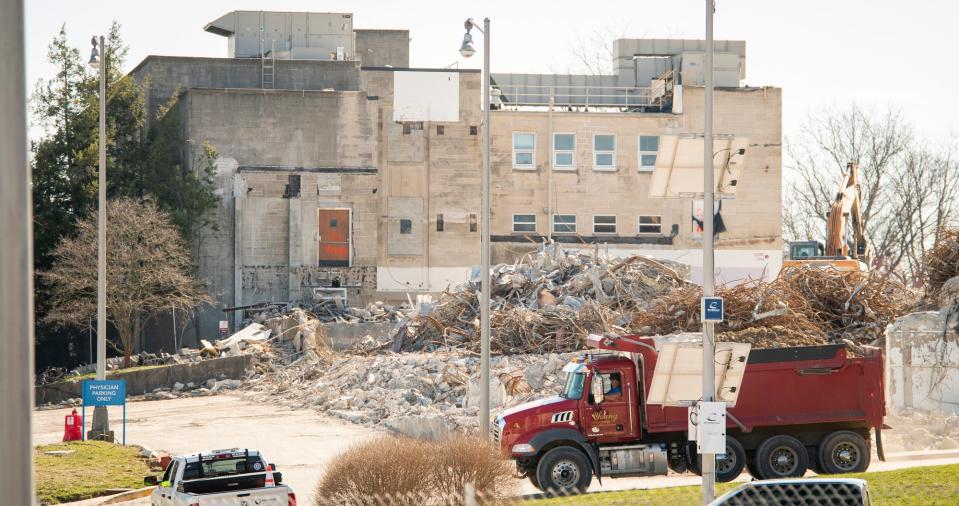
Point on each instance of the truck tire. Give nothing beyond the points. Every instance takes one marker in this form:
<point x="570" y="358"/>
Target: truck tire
<point x="781" y="457"/>
<point x="728" y="468"/>
<point x="564" y="469"/>
<point x="844" y="452"/>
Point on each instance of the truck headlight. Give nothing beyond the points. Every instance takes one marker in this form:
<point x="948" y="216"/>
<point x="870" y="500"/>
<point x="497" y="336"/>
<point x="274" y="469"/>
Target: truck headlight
<point x="523" y="448"/>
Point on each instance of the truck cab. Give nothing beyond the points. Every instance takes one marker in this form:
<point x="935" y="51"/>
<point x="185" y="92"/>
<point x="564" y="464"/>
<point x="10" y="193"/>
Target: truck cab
<point x="598" y="414"/>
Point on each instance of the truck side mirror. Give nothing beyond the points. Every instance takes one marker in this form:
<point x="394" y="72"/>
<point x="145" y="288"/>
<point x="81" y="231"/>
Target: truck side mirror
<point x="272" y="467"/>
<point x="150" y="480"/>
<point x="596" y="389"/>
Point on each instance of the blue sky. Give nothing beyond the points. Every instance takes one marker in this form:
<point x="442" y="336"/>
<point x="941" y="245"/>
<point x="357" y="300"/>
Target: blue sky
<point x="824" y="54"/>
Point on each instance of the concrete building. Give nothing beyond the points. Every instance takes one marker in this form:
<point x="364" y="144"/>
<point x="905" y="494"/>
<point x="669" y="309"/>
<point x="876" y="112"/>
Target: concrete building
<point x="344" y="172"/>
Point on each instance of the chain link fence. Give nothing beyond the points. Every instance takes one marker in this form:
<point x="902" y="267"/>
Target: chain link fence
<point x="806" y="492"/>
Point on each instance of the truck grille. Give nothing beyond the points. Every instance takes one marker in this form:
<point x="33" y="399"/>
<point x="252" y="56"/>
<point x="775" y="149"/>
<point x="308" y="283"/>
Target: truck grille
<point x="494" y="431"/>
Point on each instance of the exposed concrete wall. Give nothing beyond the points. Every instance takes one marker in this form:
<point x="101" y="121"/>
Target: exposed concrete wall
<point x="141" y="381"/>
<point x="263" y="137"/>
<point x="167" y="73"/>
<point x="379" y="48"/>
<point x="440" y="165"/>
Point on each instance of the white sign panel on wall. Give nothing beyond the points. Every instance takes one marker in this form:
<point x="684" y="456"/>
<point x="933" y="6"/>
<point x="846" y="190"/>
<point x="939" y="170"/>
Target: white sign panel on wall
<point x="426" y="96"/>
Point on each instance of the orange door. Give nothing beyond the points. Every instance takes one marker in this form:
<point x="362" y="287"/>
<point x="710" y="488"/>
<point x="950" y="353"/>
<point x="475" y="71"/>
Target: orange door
<point x="334" y="237"/>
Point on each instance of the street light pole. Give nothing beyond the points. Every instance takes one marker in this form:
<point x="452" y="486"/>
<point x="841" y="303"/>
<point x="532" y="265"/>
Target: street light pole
<point x="709" y="344"/>
<point x="485" y="250"/>
<point x="16" y="266"/>
<point x="485" y="282"/>
<point x="101" y="423"/>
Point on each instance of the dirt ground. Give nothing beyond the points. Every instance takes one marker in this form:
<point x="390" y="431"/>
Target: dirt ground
<point x="301" y="442"/>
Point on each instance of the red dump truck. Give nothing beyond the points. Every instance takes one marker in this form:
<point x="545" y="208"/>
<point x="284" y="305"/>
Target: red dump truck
<point x="798" y="408"/>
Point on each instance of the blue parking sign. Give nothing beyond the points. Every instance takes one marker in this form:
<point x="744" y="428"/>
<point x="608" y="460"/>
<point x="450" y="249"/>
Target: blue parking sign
<point x="712" y="309"/>
<point x="104" y="393"/>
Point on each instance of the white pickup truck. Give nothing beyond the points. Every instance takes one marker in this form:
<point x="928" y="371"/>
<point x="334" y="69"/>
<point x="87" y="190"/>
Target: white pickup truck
<point x="236" y="476"/>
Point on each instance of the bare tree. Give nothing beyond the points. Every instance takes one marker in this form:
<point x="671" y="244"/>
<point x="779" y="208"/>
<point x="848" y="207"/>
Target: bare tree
<point x="148" y="271"/>
<point x="907" y="189"/>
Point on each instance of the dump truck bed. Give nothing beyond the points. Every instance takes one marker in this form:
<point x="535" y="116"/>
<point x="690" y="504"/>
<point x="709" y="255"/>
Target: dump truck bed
<point x="786" y="386"/>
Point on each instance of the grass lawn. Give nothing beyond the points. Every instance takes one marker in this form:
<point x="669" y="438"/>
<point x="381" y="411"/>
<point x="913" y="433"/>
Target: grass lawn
<point x="93" y="468"/>
<point x="905" y="487"/>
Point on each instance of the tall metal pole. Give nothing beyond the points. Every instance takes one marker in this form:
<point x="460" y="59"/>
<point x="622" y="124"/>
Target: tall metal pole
<point x="16" y="266"/>
<point x="101" y="424"/>
<point x="485" y="251"/>
<point x="709" y="365"/>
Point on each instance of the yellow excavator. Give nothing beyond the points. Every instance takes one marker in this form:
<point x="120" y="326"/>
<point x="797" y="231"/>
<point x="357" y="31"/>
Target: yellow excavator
<point x="846" y="248"/>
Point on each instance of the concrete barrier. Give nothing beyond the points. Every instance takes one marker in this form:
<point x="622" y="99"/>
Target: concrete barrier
<point x="141" y="381"/>
<point x="344" y="336"/>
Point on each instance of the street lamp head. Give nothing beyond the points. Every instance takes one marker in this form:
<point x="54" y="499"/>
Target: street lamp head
<point x="94" y="54"/>
<point x="467" y="48"/>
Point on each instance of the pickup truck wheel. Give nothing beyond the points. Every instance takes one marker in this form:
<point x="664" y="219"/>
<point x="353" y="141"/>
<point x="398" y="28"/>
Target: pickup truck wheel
<point x="564" y="469"/>
<point x="781" y="457"/>
<point x="728" y="467"/>
<point x="844" y="452"/>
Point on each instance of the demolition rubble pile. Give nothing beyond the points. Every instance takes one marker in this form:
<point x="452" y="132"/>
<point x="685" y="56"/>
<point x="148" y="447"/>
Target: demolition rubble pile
<point x="803" y="306"/>
<point x="419" y="394"/>
<point x="334" y="310"/>
<point x="545" y="303"/>
<point x="941" y="265"/>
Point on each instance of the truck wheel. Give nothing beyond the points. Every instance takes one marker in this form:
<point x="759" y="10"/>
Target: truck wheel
<point x="781" y="457"/>
<point x="844" y="452"/>
<point x="728" y="467"/>
<point x="564" y="469"/>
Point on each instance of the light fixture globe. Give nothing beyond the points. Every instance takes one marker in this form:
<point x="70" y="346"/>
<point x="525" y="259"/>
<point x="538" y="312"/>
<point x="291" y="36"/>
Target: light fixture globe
<point x="467" y="49"/>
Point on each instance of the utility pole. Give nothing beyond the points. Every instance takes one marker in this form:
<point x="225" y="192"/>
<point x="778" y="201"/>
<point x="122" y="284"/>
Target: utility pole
<point x="101" y="422"/>
<point x="16" y="266"/>
<point x="709" y="344"/>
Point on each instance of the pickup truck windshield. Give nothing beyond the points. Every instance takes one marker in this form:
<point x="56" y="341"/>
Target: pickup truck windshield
<point x="574" y="386"/>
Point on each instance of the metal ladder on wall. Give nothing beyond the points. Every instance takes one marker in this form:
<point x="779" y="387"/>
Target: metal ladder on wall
<point x="267" y="66"/>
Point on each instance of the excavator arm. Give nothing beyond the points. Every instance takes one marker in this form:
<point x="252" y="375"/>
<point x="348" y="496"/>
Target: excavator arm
<point x="847" y="206"/>
<point x="841" y="251"/>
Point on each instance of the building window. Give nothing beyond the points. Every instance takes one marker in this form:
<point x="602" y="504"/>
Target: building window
<point x="409" y="126"/>
<point x="472" y="222"/>
<point x="439" y="223"/>
<point x="524" y="148"/>
<point x="650" y="224"/>
<point x="406" y="226"/>
<point x="564" y="223"/>
<point x="473" y="130"/>
<point x="604" y="224"/>
<point x="604" y="152"/>
<point x="564" y="151"/>
<point x="524" y="223"/>
<point x="648" y="148"/>
<point x="440" y="130"/>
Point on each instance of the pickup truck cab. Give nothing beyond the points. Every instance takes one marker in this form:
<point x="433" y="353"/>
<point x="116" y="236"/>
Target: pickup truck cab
<point x="235" y="476"/>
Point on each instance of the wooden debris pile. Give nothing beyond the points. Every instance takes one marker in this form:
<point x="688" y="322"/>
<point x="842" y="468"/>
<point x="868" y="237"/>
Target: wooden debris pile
<point x="803" y="306"/>
<point x="941" y="267"/>
<point x="547" y="302"/>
